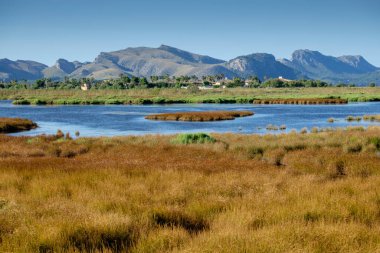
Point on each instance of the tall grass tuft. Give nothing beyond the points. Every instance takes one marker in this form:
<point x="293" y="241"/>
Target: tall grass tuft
<point x="175" y="218"/>
<point x="196" y="138"/>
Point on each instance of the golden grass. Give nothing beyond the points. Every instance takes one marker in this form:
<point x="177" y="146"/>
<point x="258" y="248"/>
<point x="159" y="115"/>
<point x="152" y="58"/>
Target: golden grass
<point x="200" y="116"/>
<point x="302" y="101"/>
<point x="11" y="125"/>
<point x="315" y="192"/>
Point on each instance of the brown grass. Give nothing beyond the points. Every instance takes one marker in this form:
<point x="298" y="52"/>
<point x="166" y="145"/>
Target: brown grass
<point x="315" y="192"/>
<point x="200" y="116"/>
<point x="301" y="101"/>
<point x="11" y="125"/>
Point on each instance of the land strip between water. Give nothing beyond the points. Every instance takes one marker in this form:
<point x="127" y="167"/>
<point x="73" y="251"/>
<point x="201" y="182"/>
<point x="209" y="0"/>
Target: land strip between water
<point x="174" y="96"/>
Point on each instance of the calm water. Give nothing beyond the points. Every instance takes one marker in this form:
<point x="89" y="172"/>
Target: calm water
<point x="111" y="120"/>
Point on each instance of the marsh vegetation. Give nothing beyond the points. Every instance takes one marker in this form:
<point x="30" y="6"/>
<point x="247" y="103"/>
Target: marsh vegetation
<point x="200" y="116"/>
<point x="314" y="192"/>
<point x="11" y="125"/>
<point x="172" y="95"/>
<point x="302" y="101"/>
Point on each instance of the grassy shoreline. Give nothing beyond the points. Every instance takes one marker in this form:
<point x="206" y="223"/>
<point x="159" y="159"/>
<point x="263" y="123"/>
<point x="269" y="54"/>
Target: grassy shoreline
<point x="316" y="192"/>
<point x="170" y="96"/>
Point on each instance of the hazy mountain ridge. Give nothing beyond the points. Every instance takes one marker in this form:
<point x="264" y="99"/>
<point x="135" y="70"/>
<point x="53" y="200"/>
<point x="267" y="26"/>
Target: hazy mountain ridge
<point x="166" y="60"/>
<point x="334" y="69"/>
<point x="61" y="69"/>
<point x="262" y="65"/>
<point x="21" y="69"/>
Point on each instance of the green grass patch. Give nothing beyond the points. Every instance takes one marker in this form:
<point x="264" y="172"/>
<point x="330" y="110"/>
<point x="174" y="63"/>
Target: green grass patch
<point x="196" y="138"/>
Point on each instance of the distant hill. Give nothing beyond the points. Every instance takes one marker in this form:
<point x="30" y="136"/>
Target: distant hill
<point x="20" y="70"/>
<point x="143" y="61"/>
<point x="166" y="60"/>
<point x="344" y="69"/>
<point x="61" y="69"/>
<point x="261" y="65"/>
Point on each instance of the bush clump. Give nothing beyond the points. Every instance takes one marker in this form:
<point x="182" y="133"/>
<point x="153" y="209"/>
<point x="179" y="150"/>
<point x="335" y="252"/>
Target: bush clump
<point x="196" y="138"/>
<point x="375" y="141"/>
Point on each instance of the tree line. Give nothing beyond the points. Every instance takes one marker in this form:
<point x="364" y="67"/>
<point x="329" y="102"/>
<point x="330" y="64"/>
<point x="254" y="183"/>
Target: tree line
<point x="166" y="81"/>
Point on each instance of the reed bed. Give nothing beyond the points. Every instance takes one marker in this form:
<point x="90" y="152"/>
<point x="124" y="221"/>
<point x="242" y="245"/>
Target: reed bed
<point x="314" y="192"/>
<point x="200" y="116"/>
<point x="11" y="125"/>
<point x="302" y="101"/>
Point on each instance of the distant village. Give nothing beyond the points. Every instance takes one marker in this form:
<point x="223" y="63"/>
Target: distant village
<point x="186" y="82"/>
<point x="192" y="83"/>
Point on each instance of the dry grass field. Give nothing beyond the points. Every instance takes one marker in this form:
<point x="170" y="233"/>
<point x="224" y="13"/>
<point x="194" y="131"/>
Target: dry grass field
<point x="313" y="192"/>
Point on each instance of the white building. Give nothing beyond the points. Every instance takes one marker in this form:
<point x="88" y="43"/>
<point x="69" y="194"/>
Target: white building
<point x="85" y="86"/>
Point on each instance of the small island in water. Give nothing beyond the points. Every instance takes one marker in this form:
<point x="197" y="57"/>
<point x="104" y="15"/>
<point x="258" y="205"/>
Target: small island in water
<point x="12" y="125"/>
<point x="200" y="116"/>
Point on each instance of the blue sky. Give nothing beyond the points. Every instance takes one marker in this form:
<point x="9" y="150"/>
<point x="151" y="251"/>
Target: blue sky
<point x="45" y="30"/>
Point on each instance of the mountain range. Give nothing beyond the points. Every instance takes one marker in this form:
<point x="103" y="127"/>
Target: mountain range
<point x="166" y="60"/>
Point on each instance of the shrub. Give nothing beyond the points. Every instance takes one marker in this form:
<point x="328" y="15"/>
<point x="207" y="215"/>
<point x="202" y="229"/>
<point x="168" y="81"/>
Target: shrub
<point x="375" y="141"/>
<point x="197" y="138"/>
<point x="67" y="136"/>
<point x="59" y="134"/>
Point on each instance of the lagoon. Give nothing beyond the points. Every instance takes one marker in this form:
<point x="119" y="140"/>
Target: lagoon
<point x="117" y="120"/>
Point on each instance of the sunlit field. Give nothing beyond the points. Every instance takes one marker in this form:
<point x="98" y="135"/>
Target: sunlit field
<point x="311" y="192"/>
